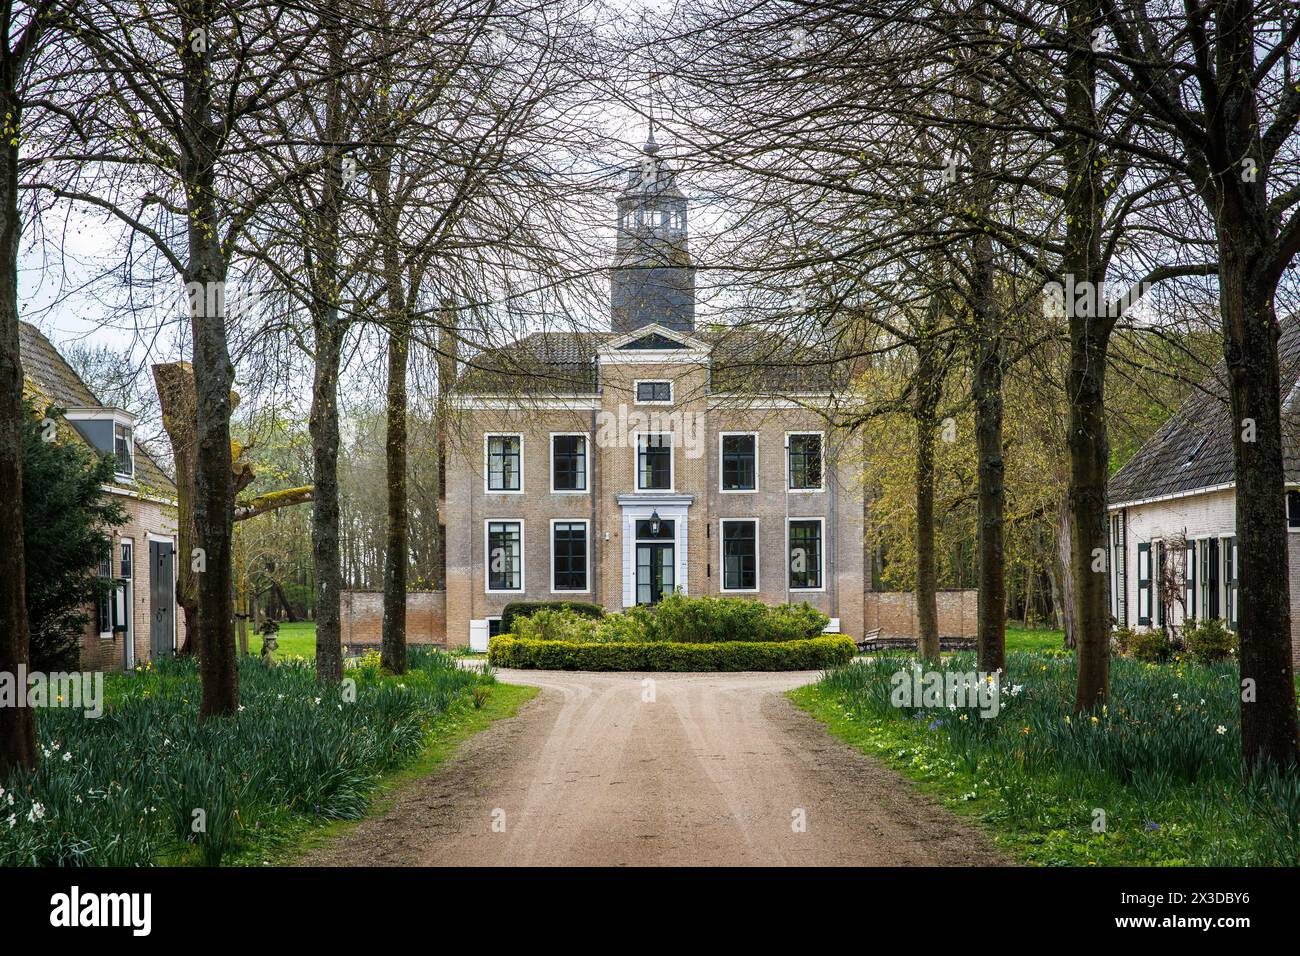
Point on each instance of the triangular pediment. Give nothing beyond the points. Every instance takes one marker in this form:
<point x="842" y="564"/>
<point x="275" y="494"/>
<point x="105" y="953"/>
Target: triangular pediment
<point x="655" y="338"/>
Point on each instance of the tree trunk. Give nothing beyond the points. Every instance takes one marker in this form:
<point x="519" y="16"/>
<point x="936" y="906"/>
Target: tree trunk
<point x="175" y="385"/>
<point x="448" y="349"/>
<point x="324" y="427"/>
<point x="395" y="552"/>
<point x="214" y="512"/>
<point x="986" y="385"/>
<point x="17" y="724"/>
<point x="1089" y="326"/>
<point x="1065" y="574"/>
<point x="928" y="386"/>
<point x="330" y="332"/>
<point x="1268" y="715"/>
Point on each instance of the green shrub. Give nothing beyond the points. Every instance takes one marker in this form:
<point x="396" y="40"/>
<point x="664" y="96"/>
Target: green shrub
<point x="712" y="619"/>
<point x="1151" y="646"/>
<point x="1209" y="641"/>
<point x="517" y="609"/>
<point x="1122" y="640"/>
<point x="817" y="653"/>
<point x="677" y="619"/>
<point x="556" y="624"/>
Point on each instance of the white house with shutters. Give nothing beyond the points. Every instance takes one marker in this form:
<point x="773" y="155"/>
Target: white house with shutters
<point x="1173" y="554"/>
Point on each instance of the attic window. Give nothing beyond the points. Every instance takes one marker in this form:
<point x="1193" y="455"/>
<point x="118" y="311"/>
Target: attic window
<point x="123" y="450"/>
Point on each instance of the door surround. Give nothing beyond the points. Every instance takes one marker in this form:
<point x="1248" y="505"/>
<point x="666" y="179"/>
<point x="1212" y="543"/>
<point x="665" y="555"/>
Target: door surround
<point x="638" y="507"/>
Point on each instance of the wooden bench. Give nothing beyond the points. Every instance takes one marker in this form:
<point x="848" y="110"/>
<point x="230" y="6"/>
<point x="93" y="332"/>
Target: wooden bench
<point x="872" y="641"/>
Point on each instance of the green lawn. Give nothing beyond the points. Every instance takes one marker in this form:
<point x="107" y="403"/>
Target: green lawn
<point x="1021" y="638"/>
<point x="1152" y="780"/>
<point x="295" y="640"/>
<point x="299" y="640"/>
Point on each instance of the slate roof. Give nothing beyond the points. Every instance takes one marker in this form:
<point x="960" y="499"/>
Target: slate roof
<point x="1193" y="449"/>
<point x="44" y="367"/>
<point x="566" y="363"/>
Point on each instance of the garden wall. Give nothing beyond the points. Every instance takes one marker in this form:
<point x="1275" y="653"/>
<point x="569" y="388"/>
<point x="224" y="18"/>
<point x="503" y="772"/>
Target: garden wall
<point x="362" y="617"/>
<point x="894" y="612"/>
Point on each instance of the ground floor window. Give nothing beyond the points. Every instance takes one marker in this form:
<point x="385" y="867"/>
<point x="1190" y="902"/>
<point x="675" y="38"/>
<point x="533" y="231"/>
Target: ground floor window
<point x="739" y="555"/>
<point x="569" y="555"/>
<point x="505" y="556"/>
<point x="805" y="554"/>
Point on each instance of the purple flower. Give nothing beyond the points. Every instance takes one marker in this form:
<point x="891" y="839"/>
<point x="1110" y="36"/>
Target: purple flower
<point x="936" y="724"/>
<point x="1152" y="825"/>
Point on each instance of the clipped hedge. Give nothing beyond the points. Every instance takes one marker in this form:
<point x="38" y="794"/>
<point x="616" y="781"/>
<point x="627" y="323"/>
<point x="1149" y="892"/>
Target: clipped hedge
<point x="525" y="608"/>
<point x="817" y="653"/>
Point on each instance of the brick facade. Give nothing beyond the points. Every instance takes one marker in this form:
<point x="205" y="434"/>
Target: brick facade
<point x="146" y="520"/>
<point x="362" y="618"/>
<point x="699" y="417"/>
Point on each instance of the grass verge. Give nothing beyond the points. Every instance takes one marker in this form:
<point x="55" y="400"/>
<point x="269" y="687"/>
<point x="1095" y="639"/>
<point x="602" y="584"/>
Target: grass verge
<point x="1154" y="780"/>
<point x="299" y="836"/>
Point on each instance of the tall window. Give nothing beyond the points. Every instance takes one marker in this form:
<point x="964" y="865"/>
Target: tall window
<point x="739" y="555"/>
<point x="104" y="604"/>
<point x="806" y="554"/>
<point x="805" y="462"/>
<point x="569" y="555"/>
<point x="654" y="462"/>
<point x="1293" y="509"/>
<point x="569" y="463"/>
<point x="1190" y="578"/>
<point x="1144" y="583"/>
<point x="738" y="462"/>
<point x="660" y="393"/>
<point x="505" y="556"/>
<point x="1209" y="557"/>
<point x="504" y="462"/>
<point x="1230" y="572"/>
<point x="123" y="450"/>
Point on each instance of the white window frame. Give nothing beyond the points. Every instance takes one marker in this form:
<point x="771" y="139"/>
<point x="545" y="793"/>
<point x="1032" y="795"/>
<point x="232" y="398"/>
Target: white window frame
<point x="130" y="451"/>
<point x="107" y="635"/>
<point x="672" y="463"/>
<point x="487" y="464"/>
<point x="821" y="437"/>
<point x="586" y="464"/>
<point x="722" y="556"/>
<point x="821" y="556"/>
<point x="523" y="557"/>
<point x="636" y="388"/>
<point x="586" y="523"/>
<point x="739" y="491"/>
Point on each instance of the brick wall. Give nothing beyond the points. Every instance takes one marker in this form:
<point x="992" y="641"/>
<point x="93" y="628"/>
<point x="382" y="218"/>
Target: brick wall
<point x="144" y="518"/>
<point x="894" y="612"/>
<point x="362" y="617"/>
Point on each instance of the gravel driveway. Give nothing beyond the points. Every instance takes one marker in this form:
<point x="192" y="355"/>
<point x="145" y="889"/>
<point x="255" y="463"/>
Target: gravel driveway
<point x="715" y="769"/>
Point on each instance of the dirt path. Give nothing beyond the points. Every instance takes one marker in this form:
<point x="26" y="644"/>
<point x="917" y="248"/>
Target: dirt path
<point x="717" y="770"/>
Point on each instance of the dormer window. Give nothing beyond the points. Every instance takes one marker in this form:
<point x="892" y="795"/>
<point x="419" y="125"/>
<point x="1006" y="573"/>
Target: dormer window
<point x="124" y="450"/>
<point x="110" y="431"/>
